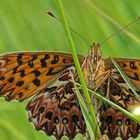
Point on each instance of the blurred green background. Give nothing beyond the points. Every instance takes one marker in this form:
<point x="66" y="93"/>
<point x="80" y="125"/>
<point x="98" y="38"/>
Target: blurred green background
<point x="25" y="26"/>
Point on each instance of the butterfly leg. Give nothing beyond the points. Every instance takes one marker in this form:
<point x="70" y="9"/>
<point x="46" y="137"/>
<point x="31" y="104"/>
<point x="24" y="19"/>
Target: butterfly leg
<point x="105" y="76"/>
<point x="95" y="101"/>
<point x="83" y="64"/>
<point x="108" y="88"/>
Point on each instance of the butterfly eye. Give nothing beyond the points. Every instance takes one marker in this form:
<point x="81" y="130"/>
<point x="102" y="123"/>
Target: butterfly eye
<point x="49" y="115"/>
<point x="119" y="122"/>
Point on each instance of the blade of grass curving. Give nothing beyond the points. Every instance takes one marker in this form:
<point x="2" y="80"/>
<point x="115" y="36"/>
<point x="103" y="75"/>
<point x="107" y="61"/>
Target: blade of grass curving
<point x="125" y="112"/>
<point x="87" y="117"/>
<point x="77" y="64"/>
<point x="125" y="77"/>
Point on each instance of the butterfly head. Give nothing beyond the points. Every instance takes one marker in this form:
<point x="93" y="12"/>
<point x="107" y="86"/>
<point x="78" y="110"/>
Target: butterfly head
<point x="94" y="54"/>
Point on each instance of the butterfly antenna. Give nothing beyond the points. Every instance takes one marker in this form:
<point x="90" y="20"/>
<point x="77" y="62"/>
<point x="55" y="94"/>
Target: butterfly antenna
<point x="123" y="28"/>
<point x="78" y="34"/>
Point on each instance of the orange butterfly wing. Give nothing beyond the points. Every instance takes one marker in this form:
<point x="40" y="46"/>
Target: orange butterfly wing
<point x="130" y="66"/>
<point x="25" y="74"/>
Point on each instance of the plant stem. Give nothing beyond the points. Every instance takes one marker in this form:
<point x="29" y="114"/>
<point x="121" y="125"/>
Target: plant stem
<point x="80" y="74"/>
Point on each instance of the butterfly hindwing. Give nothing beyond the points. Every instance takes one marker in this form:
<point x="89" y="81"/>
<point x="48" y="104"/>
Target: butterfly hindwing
<point x="114" y="123"/>
<point x="56" y="111"/>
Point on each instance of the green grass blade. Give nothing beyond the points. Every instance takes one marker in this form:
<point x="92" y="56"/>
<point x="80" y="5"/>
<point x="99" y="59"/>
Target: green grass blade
<point x="125" y="112"/>
<point x="86" y="114"/>
<point x="84" y="110"/>
<point x="80" y="74"/>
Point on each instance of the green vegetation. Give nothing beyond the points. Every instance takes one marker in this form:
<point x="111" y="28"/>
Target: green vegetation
<point x="25" y="26"/>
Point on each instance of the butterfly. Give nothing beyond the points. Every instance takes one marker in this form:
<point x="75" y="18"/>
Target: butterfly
<point x="54" y="108"/>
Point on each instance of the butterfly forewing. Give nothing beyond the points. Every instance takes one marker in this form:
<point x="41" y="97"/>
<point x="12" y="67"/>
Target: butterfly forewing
<point x="130" y="66"/>
<point x="24" y="74"/>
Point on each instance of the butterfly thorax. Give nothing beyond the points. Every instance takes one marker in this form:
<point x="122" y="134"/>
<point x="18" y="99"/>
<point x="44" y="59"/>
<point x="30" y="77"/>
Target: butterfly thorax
<point x="93" y="67"/>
